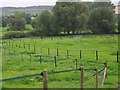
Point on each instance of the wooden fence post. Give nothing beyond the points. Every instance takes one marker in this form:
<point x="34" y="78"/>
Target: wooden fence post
<point x="45" y="80"/>
<point x="55" y="61"/>
<point x="96" y="77"/>
<point x="117" y="56"/>
<point x="81" y="77"/>
<point x="57" y="52"/>
<point x="106" y="68"/>
<point x="48" y="51"/>
<point x="80" y="54"/>
<point x="67" y="54"/>
<point x="40" y="59"/>
<point x="96" y="55"/>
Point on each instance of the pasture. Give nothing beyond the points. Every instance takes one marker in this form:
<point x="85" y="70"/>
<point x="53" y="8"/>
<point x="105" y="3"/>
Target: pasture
<point x="27" y="56"/>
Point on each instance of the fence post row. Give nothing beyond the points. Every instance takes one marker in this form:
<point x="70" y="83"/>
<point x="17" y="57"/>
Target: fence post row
<point x="45" y="80"/>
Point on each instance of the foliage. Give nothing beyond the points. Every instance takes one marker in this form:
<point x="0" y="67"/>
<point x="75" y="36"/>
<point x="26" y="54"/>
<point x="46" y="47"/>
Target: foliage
<point x="44" y="23"/>
<point x="102" y="20"/>
<point x="14" y="34"/>
<point x="17" y="22"/>
<point x="70" y="16"/>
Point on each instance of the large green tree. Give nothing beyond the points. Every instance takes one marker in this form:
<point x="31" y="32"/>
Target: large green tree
<point x="44" y="23"/>
<point x="70" y="16"/>
<point x="102" y="20"/>
<point x="16" y="22"/>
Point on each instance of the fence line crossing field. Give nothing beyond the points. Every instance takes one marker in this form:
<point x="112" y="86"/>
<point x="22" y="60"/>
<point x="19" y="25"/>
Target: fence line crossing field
<point x="26" y="56"/>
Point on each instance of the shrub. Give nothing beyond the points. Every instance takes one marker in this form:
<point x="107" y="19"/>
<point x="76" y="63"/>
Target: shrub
<point x="14" y="34"/>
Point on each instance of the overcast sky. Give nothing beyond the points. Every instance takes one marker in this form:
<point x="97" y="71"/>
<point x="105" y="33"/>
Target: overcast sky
<point x="24" y="3"/>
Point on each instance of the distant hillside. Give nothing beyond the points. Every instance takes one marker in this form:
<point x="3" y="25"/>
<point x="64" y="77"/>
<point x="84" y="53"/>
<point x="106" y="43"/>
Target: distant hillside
<point x="30" y="10"/>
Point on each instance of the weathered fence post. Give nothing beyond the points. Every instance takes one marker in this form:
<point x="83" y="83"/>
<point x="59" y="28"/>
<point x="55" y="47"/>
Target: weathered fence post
<point x="45" y="80"/>
<point x="41" y="50"/>
<point x="55" y="61"/>
<point x="40" y="59"/>
<point x="106" y="68"/>
<point x="67" y="54"/>
<point x="48" y="51"/>
<point x="80" y="54"/>
<point x="117" y="56"/>
<point x="57" y="52"/>
<point x="96" y="77"/>
<point x="81" y="77"/>
<point x="76" y="63"/>
<point x="96" y="55"/>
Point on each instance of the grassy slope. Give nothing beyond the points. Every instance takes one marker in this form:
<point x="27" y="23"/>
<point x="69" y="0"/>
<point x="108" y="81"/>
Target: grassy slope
<point x="14" y="66"/>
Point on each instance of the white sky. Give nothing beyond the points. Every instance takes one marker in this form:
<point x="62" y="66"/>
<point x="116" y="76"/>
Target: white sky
<point x="24" y="3"/>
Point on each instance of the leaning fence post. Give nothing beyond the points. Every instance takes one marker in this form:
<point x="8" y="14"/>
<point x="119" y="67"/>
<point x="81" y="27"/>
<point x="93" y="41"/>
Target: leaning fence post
<point x="81" y="78"/>
<point x="117" y="56"/>
<point x="96" y="77"/>
<point x="45" y="80"/>
<point x="106" y="68"/>
<point x="96" y="55"/>
<point x="55" y="61"/>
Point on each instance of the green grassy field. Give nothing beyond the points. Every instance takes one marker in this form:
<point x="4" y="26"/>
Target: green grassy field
<point x="13" y="64"/>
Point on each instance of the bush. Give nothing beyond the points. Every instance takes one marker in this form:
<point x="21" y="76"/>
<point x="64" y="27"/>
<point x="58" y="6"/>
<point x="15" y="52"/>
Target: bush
<point x="14" y="34"/>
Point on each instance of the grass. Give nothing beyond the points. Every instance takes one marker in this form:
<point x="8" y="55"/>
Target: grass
<point x="106" y="45"/>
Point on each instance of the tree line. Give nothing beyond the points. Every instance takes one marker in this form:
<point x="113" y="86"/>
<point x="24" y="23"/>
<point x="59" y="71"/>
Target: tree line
<point x="68" y="18"/>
